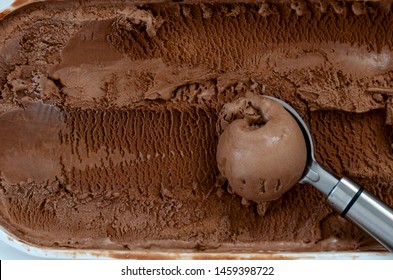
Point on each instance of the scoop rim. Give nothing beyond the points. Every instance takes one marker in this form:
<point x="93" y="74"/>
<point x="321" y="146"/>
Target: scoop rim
<point x="305" y="131"/>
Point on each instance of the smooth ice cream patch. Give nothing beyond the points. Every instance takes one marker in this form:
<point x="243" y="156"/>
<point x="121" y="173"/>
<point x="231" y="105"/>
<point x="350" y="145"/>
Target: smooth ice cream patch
<point x="29" y="143"/>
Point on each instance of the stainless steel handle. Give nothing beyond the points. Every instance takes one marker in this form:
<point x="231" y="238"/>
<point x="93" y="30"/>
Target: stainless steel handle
<point x="363" y="209"/>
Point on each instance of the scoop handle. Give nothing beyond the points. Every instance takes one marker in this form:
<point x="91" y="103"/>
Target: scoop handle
<point x="363" y="209"/>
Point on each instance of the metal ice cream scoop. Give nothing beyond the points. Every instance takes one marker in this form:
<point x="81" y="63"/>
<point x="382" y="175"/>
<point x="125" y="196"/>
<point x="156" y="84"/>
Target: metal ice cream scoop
<point x="346" y="197"/>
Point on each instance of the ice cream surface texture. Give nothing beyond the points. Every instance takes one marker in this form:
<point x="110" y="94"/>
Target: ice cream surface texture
<point x="109" y="109"/>
<point x="261" y="151"/>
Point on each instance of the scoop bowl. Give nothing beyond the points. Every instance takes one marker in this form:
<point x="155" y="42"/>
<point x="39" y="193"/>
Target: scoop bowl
<point x="343" y="195"/>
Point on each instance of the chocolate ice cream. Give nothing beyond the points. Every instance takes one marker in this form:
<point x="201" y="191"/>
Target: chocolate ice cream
<point x="261" y="151"/>
<point x="108" y="118"/>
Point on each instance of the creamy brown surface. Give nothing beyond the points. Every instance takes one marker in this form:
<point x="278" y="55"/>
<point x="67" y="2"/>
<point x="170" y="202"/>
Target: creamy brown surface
<point x="108" y="119"/>
<point x="261" y="149"/>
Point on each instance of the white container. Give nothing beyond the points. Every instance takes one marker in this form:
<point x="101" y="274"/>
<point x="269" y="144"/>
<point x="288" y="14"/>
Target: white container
<point x="8" y="6"/>
<point x="123" y="254"/>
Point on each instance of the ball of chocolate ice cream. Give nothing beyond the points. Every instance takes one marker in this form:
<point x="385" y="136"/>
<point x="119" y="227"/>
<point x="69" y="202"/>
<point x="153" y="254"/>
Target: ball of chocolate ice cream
<point x="261" y="151"/>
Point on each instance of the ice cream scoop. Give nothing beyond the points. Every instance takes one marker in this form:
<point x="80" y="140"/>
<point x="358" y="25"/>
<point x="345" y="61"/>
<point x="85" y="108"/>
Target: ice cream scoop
<point x="343" y="195"/>
<point x="258" y="132"/>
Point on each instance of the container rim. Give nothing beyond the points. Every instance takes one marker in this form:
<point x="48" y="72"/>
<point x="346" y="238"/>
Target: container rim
<point x="82" y="254"/>
<point x="8" y="6"/>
